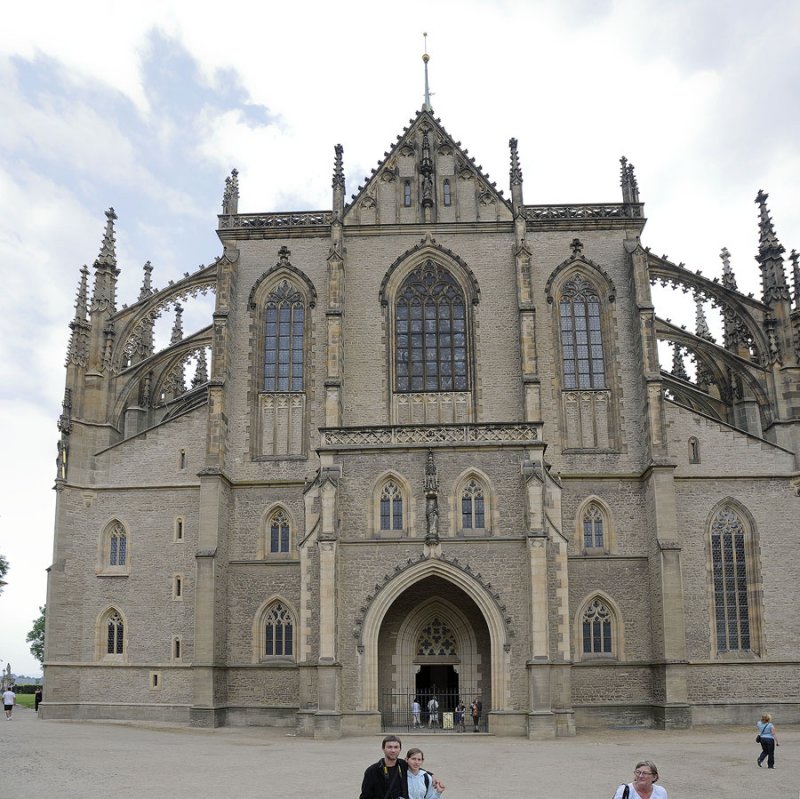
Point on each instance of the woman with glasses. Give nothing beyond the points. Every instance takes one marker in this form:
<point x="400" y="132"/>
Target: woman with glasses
<point x="643" y="786"/>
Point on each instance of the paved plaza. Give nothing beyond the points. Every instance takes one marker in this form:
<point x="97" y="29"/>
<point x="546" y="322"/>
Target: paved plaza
<point x="97" y="760"/>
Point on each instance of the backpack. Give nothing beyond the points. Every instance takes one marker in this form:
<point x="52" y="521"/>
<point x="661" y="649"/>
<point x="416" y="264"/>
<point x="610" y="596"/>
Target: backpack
<point x="626" y="793"/>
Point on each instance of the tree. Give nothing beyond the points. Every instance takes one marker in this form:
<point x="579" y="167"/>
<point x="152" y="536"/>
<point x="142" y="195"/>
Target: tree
<point x="36" y="636"/>
<point x="3" y="571"/>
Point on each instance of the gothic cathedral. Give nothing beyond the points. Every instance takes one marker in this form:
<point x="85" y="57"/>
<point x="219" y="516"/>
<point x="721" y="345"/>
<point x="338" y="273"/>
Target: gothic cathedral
<point x="425" y="448"/>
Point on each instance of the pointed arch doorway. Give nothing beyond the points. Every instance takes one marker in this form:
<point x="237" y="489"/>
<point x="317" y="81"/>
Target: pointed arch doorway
<point x="434" y="643"/>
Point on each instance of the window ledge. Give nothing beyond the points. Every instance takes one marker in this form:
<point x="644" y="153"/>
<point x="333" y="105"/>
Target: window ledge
<point x="111" y="573"/>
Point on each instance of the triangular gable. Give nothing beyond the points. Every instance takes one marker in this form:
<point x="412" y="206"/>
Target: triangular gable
<point x="427" y="177"/>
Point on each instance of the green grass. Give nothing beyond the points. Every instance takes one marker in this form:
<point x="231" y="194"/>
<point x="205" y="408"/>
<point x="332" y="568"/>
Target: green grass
<point x="25" y="700"/>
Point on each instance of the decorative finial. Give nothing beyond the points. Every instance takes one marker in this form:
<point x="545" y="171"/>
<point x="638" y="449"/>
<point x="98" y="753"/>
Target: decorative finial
<point x="576" y="245"/>
<point x="516" y="171"/>
<point x="338" y="169"/>
<point x="678" y="367"/>
<point x="201" y="372"/>
<point x="230" y="197"/>
<point x="794" y="257"/>
<point x="108" y="252"/>
<point x="770" y="256"/>
<point x="177" y="327"/>
<point x="701" y="325"/>
<point x="630" y="188"/>
<point x="147" y="287"/>
<point x="425" y="58"/>
<point x="728" y="278"/>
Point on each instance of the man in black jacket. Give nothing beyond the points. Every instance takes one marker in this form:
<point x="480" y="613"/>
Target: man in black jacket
<point x="388" y="778"/>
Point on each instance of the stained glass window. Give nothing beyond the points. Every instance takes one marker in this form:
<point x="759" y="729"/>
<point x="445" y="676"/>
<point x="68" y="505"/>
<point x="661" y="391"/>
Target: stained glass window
<point x="118" y="546"/>
<point x="436" y="639"/>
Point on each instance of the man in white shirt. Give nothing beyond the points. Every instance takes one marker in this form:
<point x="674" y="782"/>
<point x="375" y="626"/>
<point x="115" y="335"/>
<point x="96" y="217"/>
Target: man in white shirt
<point x="9" y="700"/>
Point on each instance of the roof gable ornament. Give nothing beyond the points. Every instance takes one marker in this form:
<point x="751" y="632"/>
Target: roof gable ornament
<point x="230" y="197"/>
<point x="630" y="188"/>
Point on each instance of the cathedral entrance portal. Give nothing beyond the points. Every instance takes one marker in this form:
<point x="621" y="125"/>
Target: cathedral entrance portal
<point x="434" y="643"/>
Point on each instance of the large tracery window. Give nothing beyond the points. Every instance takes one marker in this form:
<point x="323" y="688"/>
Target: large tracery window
<point x="284" y="317"/>
<point x="581" y="336"/>
<point x="431" y="332"/>
<point x="279" y="632"/>
<point x="729" y="568"/>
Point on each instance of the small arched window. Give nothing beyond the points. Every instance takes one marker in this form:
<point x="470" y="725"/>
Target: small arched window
<point x="284" y="326"/>
<point x="279" y="532"/>
<point x="117" y="546"/>
<point x="694" y="450"/>
<point x="115" y="633"/>
<point x="581" y="336"/>
<point x="391" y="507"/>
<point x="473" y="506"/>
<point x="407" y="194"/>
<point x="593" y="528"/>
<point x="278" y="632"/>
<point x="446" y="192"/>
<point x="597" y="629"/>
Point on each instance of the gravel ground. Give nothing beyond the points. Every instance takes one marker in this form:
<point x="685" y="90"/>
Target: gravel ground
<point x="97" y="760"/>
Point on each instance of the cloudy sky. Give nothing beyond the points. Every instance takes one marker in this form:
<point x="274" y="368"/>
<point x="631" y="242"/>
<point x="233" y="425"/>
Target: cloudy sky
<point x="147" y="106"/>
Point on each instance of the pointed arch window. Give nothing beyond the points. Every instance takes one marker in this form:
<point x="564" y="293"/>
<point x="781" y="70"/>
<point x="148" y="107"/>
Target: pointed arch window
<point x="279" y="532"/>
<point x="448" y="199"/>
<point x="597" y="629"/>
<point x="407" y="194"/>
<point x="729" y="556"/>
<point x="115" y="634"/>
<point x="278" y="632"/>
<point x="118" y="546"/>
<point x="431" y="352"/>
<point x="473" y="506"/>
<point x="436" y="639"/>
<point x="391" y="507"/>
<point x="581" y="336"/>
<point x="593" y="528"/>
<point x="284" y="320"/>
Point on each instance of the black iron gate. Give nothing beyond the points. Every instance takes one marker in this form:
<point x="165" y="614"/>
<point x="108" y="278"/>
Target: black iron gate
<point x="439" y="711"/>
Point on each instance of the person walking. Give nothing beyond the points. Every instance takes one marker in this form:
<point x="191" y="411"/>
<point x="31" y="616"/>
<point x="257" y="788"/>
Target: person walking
<point x="9" y="700"/>
<point x="766" y="737"/>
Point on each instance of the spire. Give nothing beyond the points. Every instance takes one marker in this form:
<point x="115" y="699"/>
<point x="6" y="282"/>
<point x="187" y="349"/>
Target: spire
<point x="728" y="278"/>
<point x="78" y="348"/>
<point x="678" y="368"/>
<point x="230" y="197"/>
<point x="177" y="327"/>
<point x="106" y="272"/>
<point x="108" y="250"/>
<point x="147" y="286"/>
<point x="770" y="252"/>
<point x="630" y="188"/>
<point x="701" y="325"/>
<point x="426" y="106"/>
<point x="515" y="175"/>
<point x="201" y="372"/>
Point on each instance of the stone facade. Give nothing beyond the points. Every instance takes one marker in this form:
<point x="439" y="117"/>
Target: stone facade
<point x="428" y="449"/>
